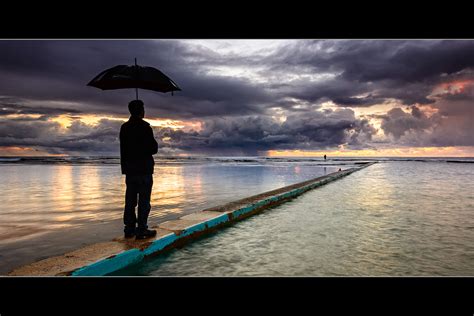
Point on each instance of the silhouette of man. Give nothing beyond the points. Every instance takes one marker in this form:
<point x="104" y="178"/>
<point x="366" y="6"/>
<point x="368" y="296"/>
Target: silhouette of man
<point x="324" y="157"/>
<point x="137" y="145"/>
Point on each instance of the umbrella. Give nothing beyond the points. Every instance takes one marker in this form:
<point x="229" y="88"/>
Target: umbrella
<point x="125" y="77"/>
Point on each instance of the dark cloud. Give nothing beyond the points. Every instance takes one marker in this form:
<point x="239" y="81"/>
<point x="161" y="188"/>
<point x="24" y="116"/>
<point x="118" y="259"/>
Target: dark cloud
<point x="379" y="60"/>
<point x="249" y="135"/>
<point x="51" y="137"/>
<point x="332" y="89"/>
<point x="48" y="78"/>
<point x="358" y="102"/>
<point x="451" y="126"/>
<point x="402" y="70"/>
<point x="397" y="122"/>
<point x="8" y="107"/>
<point x="60" y="70"/>
<point x="246" y="135"/>
<point x="455" y="127"/>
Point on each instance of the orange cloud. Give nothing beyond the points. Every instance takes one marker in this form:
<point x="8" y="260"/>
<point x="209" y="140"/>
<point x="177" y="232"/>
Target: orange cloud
<point x="24" y="151"/>
<point x="66" y="120"/>
<point x="452" y="87"/>
<point x="386" y="152"/>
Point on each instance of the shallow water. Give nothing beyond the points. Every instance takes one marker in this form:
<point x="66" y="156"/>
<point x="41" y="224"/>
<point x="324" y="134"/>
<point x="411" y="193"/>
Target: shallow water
<point x="54" y="205"/>
<point x="392" y="218"/>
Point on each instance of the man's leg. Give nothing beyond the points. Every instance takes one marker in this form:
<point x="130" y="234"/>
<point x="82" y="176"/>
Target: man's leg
<point x="144" y="195"/>
<point x="129" y="217"/>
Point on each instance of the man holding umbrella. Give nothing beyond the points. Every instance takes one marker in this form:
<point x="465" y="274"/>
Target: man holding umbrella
<point x="137" y="143"/>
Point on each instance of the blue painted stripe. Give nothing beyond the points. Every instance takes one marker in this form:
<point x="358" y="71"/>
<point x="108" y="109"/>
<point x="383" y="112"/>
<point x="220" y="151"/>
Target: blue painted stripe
<point x="217" y="220"/>
<point x="243" y="211"/>
<point x="160" y="244"/>
<point x="109" y="265"/>
<point x="192" y="229"/>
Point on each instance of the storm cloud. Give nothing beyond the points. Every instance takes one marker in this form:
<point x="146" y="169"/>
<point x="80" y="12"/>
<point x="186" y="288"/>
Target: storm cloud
<point x="244" y="135"/>
<point x="298" y="94"/>
<point x="386" y="69"/>
<point x="250" y="135"/>
<point x="59" y="71"/>
<point x="78" y="138"/>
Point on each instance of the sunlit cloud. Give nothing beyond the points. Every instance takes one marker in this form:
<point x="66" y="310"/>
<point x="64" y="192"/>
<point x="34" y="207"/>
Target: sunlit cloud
<point x="17" y="151"/>
<point x="66" y="120"/>
<point x="452" y="87"/>
<point x="383" y="152"/>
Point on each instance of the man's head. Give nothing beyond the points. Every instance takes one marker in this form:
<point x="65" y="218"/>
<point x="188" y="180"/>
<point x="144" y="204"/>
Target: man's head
<point x="136" y="108"/>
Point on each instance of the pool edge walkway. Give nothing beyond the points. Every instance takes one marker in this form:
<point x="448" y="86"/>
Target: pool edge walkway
<point x="106" y="257"/>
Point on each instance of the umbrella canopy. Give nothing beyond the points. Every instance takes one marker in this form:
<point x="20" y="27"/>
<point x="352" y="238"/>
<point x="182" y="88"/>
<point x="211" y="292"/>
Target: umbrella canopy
<point x="135" y="76"/>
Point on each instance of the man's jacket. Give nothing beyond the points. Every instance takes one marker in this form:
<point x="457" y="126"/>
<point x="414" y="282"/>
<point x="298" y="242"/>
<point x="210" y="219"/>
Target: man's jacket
<point x="137" y="145"/>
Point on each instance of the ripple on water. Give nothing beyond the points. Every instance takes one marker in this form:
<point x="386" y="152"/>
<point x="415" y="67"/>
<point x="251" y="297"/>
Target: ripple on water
<point x="394" y="218"/>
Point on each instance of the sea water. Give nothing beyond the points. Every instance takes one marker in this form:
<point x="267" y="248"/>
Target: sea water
<point x="52" y="205"/>
<point x="394" y="218"/>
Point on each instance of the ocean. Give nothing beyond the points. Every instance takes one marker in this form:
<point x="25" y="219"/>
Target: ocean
<point x="402" y="216"/>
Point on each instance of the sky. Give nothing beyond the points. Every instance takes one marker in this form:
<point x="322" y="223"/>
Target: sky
<point x="244" y="97"/>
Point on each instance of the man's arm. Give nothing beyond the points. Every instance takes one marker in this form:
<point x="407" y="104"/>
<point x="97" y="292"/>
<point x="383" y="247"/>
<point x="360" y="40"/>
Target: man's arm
<point x="152" y="144"/>
<point x="122" y="151"/>
<point x="122" y="145"/>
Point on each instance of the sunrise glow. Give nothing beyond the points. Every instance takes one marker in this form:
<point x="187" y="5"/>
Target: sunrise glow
<point x="388" y="152"/>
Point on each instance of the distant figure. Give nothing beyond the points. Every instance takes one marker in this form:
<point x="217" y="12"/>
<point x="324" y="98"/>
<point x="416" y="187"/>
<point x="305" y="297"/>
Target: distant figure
<point x="137" y="145"/>
<point x="340" y="169"/>
<point x="324" y="157"/>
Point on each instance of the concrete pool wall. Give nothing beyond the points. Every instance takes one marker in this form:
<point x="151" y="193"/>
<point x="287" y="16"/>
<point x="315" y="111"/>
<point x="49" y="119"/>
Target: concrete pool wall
<point x="106" y="257"/>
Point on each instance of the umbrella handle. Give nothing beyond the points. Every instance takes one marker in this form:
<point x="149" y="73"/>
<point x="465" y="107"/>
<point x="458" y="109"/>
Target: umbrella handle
<point x="136" y="70"/>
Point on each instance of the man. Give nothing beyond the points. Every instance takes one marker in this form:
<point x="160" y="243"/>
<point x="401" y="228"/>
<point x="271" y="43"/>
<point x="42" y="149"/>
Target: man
<point x="137" y="145"/>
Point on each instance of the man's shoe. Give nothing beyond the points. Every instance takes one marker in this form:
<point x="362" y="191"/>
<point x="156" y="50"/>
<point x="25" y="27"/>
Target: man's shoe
<point x="146" y="234"/>
<point x="129" y="232"/>
<point x="129" y="235"/>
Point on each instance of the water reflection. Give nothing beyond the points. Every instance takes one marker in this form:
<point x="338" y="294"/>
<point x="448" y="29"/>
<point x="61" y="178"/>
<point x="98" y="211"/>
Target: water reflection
<point x="169" y="191"/>
<point x="54" y="197"/>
